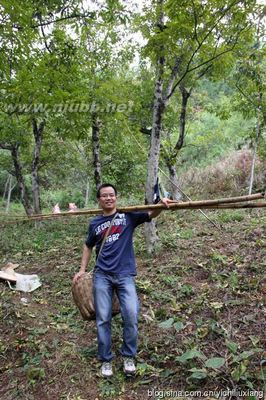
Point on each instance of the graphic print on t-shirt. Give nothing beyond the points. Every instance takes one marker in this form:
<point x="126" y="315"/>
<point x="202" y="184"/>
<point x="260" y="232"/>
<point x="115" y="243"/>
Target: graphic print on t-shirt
<point x="115" y="231"/>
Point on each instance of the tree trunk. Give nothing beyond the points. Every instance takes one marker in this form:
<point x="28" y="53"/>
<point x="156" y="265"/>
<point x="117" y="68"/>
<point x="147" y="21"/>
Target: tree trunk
<point x="252" y="169"/>
<point x="96" y="150"/>
<point x="176" y="194"/>
<point x="10" y="188"/>
<point x="87" y="193"/>
<point x="154" y="153"/>
<point x="20" y="179"/>
<point x="6" y="187"/>
<point x="38" y="136"/>
<point x="258" y="131"/>
<point x="182" y="119"/>
<point x="171" y="156"/>
<point x="164" y="89"/>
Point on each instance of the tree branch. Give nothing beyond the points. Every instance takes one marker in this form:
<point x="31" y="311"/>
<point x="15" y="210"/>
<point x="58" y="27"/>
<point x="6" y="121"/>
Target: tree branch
<point x="246" y="96"/>
<point x="207" y="61"/>
<point x="45" y="41"/>
<point x="6" y="146"/>
<point x="200" y="44"/>
<point x="195" y="22"/>
<point x="168" y="91"/>
<point x="204" y="71"/>
<point x="45" y="23"/>
<point x="53" y="21"/>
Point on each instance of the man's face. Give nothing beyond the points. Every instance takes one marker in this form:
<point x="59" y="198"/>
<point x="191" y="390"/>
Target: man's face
<point x="107" y="199"/>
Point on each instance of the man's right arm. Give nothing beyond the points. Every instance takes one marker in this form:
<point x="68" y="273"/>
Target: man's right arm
<point x="85" y="259"/>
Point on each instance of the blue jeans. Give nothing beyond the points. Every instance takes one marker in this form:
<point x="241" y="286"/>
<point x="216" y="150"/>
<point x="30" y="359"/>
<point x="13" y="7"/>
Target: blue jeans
<point x="104" y="286"/>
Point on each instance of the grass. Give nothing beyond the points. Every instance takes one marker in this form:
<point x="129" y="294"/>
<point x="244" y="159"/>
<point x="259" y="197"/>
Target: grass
<point x="202" y="317"/>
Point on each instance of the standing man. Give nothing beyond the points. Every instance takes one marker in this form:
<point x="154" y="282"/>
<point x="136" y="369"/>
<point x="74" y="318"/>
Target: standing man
<point x="115" y="270"/>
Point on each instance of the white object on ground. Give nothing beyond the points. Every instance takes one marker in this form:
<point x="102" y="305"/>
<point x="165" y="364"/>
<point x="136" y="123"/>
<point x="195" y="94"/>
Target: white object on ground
<point x="27" y="283"/>
<point x="24" y="283"/>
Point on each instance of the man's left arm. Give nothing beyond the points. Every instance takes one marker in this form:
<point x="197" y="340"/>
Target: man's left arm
<point x="165" y="201"/>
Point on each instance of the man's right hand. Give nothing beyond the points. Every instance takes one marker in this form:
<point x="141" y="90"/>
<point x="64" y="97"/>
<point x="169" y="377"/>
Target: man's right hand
<point x="78" y="275"/>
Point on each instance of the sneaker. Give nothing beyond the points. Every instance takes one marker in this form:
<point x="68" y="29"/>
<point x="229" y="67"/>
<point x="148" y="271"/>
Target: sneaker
<point x="129" y="366"/>
<point x="106" y="370"/>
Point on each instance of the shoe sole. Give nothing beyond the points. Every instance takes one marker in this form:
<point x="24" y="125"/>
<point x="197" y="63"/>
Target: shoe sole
<point x="107" y="376"/>
<point x="130" y="373"/>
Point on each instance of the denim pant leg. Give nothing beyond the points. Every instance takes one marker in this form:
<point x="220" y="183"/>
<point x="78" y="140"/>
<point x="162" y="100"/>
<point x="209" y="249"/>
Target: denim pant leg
<point x="103" y="294"/>
<point x="129" y="305"/>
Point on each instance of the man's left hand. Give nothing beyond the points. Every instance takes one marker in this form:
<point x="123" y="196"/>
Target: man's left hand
<point x="167" y="201"/>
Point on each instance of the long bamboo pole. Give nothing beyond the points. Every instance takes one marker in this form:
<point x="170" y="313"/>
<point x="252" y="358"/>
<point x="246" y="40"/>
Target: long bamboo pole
<point x="207" y="207"/>
<point x="234" y="205"/>
<point x="172" y="207"/>
<point x="225" y="203"/>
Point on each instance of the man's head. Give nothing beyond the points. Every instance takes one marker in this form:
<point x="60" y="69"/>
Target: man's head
<point x="107" y="196"/>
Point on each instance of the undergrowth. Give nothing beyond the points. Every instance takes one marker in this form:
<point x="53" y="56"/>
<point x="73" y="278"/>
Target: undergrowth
<point x="202" y="319"/>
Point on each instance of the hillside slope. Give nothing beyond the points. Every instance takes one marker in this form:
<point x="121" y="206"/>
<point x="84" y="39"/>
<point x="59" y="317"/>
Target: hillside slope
<point x="202" y="322"/>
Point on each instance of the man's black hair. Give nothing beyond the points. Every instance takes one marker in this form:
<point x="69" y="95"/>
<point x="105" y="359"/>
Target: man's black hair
<point x="104" y="185"/>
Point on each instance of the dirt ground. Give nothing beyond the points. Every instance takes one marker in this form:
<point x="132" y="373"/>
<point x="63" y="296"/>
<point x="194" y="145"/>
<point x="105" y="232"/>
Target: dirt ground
<point x="202" y="322"/>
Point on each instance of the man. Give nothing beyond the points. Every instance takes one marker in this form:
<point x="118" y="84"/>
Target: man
<point x="115" y="270"/>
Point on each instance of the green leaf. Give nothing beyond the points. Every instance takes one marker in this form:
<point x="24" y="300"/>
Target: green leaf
<point x="215" y="362"/>
<point x="232" y="346"/>
<point x="166" y="373"/>
<point x="189" y="355"/>
<point x="247" y="354"/>
<point x="198" y="373"/>
<point x="238" y="372"/>
<point x="178" y="326"/>
<point x="254" y="339"/>
<point x="167" y="324"/>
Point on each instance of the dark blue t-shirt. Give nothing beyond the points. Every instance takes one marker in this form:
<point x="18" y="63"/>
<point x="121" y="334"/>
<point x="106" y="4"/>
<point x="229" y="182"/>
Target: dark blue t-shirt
<point x="117" y="255"/>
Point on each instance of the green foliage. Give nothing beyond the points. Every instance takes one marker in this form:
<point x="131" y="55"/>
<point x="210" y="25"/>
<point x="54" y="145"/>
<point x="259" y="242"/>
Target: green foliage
<point x="113" y="387"/>
<point x="63" y="197"/>
<point x="262" y="147"/>
<point x="167" y="324"/>
<point x="144" y="286"/>
<point x="210" y="137"/>
<point x="230" y="216"/>
<point x="35" y="374"/>
<point x="215" y="362"/>
<point x="89" y="61"/>
<point x="67" y="72"/>
<point x="190" y="355"/>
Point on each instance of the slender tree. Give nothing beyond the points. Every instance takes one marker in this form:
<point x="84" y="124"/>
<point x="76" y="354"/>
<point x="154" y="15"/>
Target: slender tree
<point x="184" y="38"/>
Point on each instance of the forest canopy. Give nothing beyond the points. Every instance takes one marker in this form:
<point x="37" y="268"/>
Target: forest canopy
<point x="91" y="90"/>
